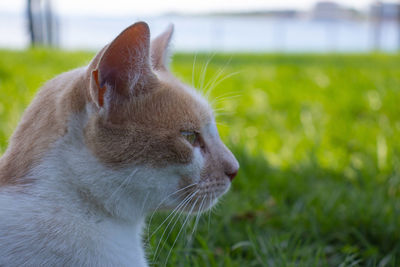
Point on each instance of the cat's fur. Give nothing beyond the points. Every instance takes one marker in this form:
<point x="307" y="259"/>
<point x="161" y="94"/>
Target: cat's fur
<point x="98" y="149"/>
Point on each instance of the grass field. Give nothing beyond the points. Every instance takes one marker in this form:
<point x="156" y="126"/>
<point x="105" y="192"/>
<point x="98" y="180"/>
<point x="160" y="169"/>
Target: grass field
<point x="318" y="140"/>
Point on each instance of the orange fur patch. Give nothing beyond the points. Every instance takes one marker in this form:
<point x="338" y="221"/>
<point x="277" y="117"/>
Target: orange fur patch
<point x="147" y="128"/>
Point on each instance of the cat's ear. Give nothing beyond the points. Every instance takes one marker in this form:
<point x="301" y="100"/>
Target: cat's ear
<point x="159" y="49"/>
<point x="122" y="69"/>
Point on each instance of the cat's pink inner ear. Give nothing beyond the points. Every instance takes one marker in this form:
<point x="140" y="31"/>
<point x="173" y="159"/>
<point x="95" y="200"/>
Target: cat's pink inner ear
<point x="100" y="90"/>
<point x="159" y="48"/>
<point x="125" y="60"/>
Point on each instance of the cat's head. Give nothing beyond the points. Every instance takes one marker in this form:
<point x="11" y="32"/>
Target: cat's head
<point x="145" y="120"/>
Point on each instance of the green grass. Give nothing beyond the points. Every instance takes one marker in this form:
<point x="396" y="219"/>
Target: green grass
<point x="318" y="140"/>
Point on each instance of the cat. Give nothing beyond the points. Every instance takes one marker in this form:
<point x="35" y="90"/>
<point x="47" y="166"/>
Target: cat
<point x="98" y="149"/>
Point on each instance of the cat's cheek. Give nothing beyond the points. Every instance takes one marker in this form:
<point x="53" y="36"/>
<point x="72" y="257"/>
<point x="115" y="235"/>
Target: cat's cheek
<point x="198" y="162"/>
<point x="191" y="173"/>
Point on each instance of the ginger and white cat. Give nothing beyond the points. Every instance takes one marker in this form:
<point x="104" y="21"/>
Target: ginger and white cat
<point x="98" y="149"/>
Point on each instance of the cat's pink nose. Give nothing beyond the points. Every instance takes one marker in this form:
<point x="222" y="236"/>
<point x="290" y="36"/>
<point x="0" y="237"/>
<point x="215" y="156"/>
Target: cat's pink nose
<point x="231" y="175"/>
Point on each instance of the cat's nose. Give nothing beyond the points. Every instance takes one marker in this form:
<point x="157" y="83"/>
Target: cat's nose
<point x="229" y="163"/>
<point x="231" y="175"/>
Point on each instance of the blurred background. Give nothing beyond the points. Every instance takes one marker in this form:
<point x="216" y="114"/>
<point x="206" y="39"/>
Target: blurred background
<point x="223" y="25"/>
<point x="307" y="95"/>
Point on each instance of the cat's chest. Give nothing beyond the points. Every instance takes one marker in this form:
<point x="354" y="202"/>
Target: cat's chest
<point x="110" y="243"/>
<point x="67" y="238"/>
<point x="121" y="242"/>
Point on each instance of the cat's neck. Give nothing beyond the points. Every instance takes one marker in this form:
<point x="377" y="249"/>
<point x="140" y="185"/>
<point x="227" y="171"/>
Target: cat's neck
<point x="58" y="233"/>
<point x="43" y="122"/>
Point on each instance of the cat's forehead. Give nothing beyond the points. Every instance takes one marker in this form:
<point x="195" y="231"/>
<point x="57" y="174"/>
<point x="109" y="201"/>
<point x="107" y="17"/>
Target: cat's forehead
<point x="172" y="104"/>
<point x="185" y="104"/>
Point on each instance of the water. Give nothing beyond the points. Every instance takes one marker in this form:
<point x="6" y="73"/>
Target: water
<point x="228" y="34"/>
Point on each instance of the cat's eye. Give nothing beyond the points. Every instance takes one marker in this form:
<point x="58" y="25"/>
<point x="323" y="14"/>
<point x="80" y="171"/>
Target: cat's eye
<point x="191" y="137"/>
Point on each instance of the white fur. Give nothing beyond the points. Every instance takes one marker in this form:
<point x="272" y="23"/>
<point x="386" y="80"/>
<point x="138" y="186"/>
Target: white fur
<point x="82" y="213"/>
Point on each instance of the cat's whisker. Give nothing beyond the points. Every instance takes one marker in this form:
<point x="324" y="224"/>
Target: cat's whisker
<point x="144" y="203"/>
<point x="216" y="83"/>
<point x="182" y="227"/>
<point x="190" y="239"/>
<point x="210" y="211"/>
<point x="169" y="232"/>
<point x="204" y="72"/>
<point x="224" y="113"/>
<point x="193" y="69"/>
<point x="170" y="195"/>
<point x="180" y="212"/>
<point x="173" y="213"/>
<point x="209" y="219"/>
<point x="197" y="217"/>
<point x="220" y="99"/>
<point x="125" y="181"/>
<point x="226" y="94"/>
<point x="181" y="191"/>
<point x="208" y="88"/>
<point x="218" y="110"/>
<point x="236" y="92"/>
<point x="187" y="198"/>
<point x="211" y="84"/>
<point x="223" y="98"/>
<point x="176" y="211"/>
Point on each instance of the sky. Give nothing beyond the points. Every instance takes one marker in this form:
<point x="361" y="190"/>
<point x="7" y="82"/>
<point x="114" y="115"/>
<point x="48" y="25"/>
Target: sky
<point x="154" y="7"/>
